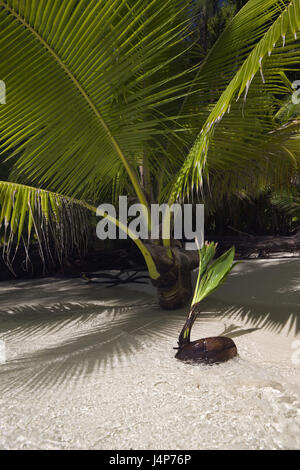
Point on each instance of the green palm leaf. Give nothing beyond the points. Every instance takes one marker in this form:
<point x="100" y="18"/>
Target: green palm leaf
<point x="87" y="84"/>
<point x="288" y="203"/>
<point x="210" y="278"/>
<point x="250" y="44"/>
<point x="56" y="223"/>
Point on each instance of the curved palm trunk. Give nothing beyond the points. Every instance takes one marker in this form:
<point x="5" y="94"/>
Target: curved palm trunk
<point x="174" y="285"/>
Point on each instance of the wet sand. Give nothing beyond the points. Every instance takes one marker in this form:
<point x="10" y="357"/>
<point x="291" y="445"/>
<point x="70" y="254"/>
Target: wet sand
<point x="90" y="367"/>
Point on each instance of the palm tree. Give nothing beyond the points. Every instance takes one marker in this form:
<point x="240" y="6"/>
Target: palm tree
<point x="101" y="102"/>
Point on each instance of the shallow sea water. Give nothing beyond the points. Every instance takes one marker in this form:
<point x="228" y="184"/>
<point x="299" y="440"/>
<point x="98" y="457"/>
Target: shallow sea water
<point x="93" y="368"/>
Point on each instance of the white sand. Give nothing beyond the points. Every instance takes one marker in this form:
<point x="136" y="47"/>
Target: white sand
<point x="93" y="368"/>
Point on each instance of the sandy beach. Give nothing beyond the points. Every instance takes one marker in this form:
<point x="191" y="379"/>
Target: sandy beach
<point x="91" y="367"/>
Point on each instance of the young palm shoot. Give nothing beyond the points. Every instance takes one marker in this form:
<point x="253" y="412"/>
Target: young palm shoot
<point x="210" y="277"/>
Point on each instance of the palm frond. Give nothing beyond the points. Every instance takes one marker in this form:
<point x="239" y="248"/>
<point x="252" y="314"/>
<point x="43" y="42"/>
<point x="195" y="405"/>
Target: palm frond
<point x="87" y="85"/>
<point x="288" y="203"/>
<point x="57" y="224"/>
<point x="249" y="45"/>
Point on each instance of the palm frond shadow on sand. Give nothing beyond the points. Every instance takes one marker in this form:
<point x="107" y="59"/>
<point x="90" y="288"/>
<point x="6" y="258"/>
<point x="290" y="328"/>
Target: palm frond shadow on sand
<point x="31" y="321"/>
<point x="91" y="339"/>
<point x="73" y="340"/>
<point x="266" y="296"/>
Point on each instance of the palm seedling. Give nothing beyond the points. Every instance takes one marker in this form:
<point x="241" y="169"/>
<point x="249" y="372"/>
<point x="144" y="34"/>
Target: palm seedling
<point x="210" y="276"/>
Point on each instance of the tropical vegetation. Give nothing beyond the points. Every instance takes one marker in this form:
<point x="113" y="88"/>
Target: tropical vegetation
<point x="111" y="97"/>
